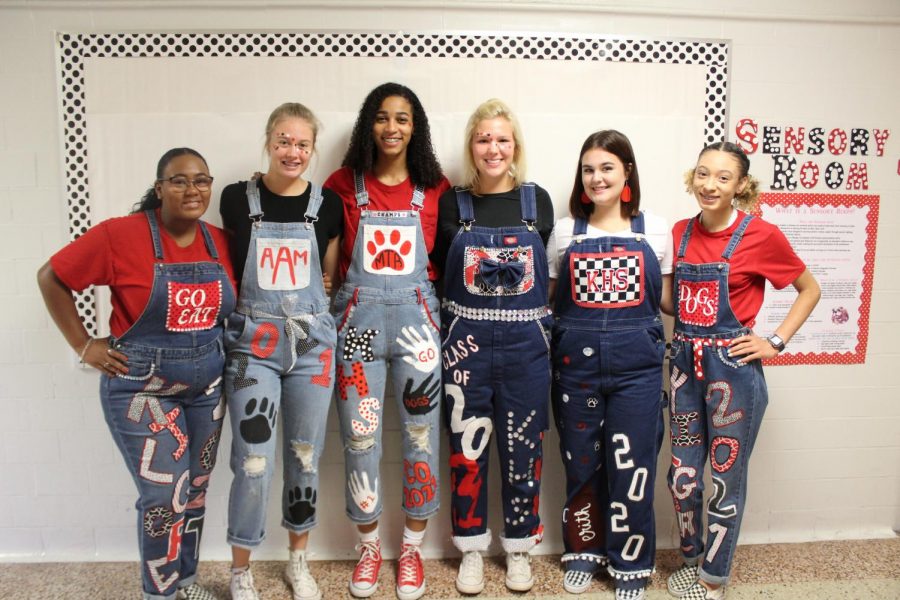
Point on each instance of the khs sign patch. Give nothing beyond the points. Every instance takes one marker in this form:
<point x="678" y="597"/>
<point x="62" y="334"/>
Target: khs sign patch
<point x="389" y="249"/>
<point x="282" y="264"/>
<point x="607" y="280"/>
<point x="193" y="306"/>
<point x="698" y="302"/>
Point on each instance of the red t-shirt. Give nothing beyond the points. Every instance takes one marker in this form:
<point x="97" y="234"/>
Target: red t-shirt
<point x="383" y="197"/>
<point x="119" y="253"/>
<point x="763" y="253"/>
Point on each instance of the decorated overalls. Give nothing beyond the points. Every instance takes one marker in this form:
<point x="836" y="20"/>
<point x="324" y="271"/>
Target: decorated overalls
<point x="608" y="349"/>
<point x="716" y="407"/>
<point x="166" y="414"/>
<point x="496" y="372"/>
<point x="280" y="345"/>
<point x="386" y="311"/>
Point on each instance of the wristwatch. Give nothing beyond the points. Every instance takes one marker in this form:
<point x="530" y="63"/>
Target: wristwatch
<point x="776" y="342"/>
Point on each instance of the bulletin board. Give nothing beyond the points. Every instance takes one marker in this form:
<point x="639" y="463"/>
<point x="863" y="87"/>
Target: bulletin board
<point x="125" y="98"/>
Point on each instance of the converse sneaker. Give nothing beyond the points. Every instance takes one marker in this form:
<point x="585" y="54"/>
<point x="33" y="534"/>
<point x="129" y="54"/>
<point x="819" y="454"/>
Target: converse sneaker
<point x="242" y="586"/>
<point x="470" y="579"/>
<point x="630" y="594"/>
<point x="365" y="576"/>
<point x="299" y="578"/>
<point x="698" y="591"/>
<point x="518" y="571"/>
<point x="195" y="592"/>
<point x="577" y="582"/>
<point x="682" y="579"/>
<point x="410" y="573"/>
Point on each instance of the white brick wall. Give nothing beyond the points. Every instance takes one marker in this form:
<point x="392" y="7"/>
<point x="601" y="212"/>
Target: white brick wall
<point x="828" y="458"/>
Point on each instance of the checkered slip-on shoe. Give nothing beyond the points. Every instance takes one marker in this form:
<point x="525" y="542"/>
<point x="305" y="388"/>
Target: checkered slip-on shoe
<point x="681" y="580"/>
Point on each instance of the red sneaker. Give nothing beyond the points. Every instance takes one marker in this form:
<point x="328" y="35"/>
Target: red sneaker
<point x="410" y="573"/>
<point x="365" y="576"/>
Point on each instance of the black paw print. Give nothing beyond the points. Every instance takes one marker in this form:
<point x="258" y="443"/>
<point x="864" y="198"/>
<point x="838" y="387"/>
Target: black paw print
<point x="257" y="427"/>
<point x="301" y="505"/>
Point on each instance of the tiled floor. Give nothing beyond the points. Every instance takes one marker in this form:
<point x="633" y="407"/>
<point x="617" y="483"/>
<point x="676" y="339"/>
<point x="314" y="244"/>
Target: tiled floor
<point x="863" y="569"/>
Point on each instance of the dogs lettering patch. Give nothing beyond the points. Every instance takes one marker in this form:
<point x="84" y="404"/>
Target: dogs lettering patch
<point x="389" y="249"/>
<point x="499" y="271"/>
<point x="193" y="306"/>
<point x="282" y="264"/>
<point x="698" y="302"/>
<point x="607" y="280"/>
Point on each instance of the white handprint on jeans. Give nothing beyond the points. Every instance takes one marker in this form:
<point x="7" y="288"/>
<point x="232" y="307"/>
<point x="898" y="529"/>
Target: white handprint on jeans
<point x="424" y="350"/>
<point x="365" y="497"/>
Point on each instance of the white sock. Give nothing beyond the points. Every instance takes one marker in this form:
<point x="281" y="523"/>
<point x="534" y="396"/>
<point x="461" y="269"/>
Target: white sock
<point x="369" y="536"/>
<point x="413" y="537"/>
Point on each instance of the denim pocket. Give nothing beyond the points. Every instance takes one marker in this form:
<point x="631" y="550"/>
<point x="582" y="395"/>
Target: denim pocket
<point x="139" y="370"/>
<point x="722" y="353"/>
<point x="234" y="330"/>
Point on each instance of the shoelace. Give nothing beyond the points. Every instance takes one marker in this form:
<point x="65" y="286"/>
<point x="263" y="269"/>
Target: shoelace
<point x="301" y="572"/>
<point x="244" y="582"/>
<point x="409" y="563"/>
<point x="369" y="559"/>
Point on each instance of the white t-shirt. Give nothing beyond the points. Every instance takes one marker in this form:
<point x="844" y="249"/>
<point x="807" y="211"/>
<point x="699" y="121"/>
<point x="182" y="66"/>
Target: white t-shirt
<point x="657" y="231"/>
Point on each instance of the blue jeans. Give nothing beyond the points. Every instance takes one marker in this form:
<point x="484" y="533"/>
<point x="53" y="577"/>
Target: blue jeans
<point x="716" y="418"/>
<point x="165" y="417"/>
<point x="377" y="329"/>
<point x="262" y="378"/>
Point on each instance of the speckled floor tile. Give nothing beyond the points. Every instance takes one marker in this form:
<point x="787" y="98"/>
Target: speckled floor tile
<point x="859" y="569"/>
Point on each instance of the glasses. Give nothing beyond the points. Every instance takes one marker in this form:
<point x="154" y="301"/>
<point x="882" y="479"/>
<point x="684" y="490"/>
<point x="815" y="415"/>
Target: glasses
<point x="180" y="183"/>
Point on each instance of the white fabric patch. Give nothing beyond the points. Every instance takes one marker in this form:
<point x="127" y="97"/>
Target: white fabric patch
<point x="389" y="249"/>
<point x="282" y="264"/>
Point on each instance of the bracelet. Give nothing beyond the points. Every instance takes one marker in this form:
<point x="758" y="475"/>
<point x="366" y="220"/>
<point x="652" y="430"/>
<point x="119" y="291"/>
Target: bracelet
<point x="84" y="350"/>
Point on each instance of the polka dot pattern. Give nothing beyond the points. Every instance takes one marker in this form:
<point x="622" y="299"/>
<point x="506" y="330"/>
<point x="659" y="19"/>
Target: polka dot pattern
<point x="74" y="48"/>
<point x="870" y="201"/>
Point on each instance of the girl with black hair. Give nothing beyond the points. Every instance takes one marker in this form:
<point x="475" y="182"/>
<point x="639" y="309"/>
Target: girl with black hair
<point x="172" y="286"/>
<point x="387" y="315"/>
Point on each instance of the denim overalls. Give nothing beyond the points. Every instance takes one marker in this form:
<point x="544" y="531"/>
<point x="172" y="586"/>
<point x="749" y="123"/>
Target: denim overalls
<point x="166" y="414"/>
<point x="716" y="407"/>
<point x="608" y="349"/>
<point x="280" y="344"/>
<point x="496" y="359"/>
<point x="386" y="311"/>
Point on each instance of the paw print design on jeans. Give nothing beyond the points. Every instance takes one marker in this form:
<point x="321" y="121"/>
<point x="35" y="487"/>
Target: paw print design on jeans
<point x="257" y="427"/>
<point x="301" y="504"/>
<point x="390" y="257"/>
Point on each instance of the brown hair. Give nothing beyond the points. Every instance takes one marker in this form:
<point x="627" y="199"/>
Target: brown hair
<point x="617" y="143"/>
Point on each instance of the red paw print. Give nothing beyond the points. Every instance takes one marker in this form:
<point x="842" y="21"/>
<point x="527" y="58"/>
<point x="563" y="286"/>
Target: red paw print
<point x="388" y="253"/>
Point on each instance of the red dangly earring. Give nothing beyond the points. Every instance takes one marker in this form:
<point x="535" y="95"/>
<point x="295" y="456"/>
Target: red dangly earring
<point x="585" y="199"/>
<point x="626" y="194"/>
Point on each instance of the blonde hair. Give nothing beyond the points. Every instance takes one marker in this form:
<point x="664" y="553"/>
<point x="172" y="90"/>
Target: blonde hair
<point x="492" y="109"/>
<point x="291" y="110"/>
<point x="746" y="199"/>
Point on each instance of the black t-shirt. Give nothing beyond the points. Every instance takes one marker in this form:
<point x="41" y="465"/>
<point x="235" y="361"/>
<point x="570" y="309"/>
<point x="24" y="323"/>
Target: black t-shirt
<point x="235" y="210"/>
<point x="491" y="210"/>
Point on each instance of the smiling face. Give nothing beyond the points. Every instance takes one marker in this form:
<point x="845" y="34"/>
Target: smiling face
<point x="187" y="205"/>
<point x="290" y="146"/>
<point x="717" y="180"/>
<point x="393" y="127"/>
<point x="603" y="176"/>
<point x="493" y="148"/>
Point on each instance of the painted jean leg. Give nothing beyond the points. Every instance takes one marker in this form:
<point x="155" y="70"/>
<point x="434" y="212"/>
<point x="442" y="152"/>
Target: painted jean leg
<point x="360" y="381"/>
<point x="306" y="397"/>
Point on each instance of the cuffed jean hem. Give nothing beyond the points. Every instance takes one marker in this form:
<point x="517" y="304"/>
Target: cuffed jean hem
<point x="422" y="517"/>
<point x="245" y="544"/>
<point x="468" y="543"/>
<point x="183" y="583"/>
<point x="298" y="529"/>
<point x="713" y="579"/>
<point x="367" y="521"/>
<point x="599" y="560"/>
<point x="520" y="544"/>
<point x="692" y="560"/>
<point x="160" y="597"/>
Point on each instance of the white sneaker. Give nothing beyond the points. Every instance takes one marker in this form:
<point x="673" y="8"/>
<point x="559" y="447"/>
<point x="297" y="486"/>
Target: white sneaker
<point x="518" y="571"/>
<point x="242" y="585"/>
<point x="470" y="579"/>
<point x="300" y="579"/>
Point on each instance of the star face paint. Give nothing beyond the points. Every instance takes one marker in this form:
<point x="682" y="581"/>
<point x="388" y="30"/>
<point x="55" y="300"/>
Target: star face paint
<point x="493" y="149"/>
<point x="290" y="146"/>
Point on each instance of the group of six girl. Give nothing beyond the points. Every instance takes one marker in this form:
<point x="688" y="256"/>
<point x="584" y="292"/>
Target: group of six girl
<point x="191" y="303"/>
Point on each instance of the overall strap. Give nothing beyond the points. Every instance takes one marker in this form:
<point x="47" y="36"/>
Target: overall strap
<point x="685" y="237"/>
<point x="315" y="203"/>
<point x="418" y="198"/>
<point x="154" y="233"/>
<point x="464" y="204"/>
<point x="736" y="237"/>
<point x="210" y="244"/>
<point x="528" y="203"/>
<point x="580" y="227"/>
<point x="256" y="213"/>
<point x="359" y="183"/>
<point x="637" y="223"/>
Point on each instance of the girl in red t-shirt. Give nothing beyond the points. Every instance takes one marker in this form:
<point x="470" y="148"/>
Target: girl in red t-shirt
<point x="718" y="393"/>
